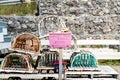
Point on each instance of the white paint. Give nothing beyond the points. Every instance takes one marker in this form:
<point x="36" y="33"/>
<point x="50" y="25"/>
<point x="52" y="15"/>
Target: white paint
<point x="1" y="37"/>
<point x="89" y="42"/>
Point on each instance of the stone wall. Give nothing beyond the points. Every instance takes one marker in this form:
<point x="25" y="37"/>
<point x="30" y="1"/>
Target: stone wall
<point x="19" y="24"/>
<point x="79" y="7"/>
<point x="81" y="27"/>
<point x="87" y="19"/>
<point x="97" y="19"/>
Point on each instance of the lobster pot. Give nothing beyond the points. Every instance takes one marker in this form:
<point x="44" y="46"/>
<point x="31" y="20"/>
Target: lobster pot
<point x="83" y="59"/>
<point x="26" y="42"/>
<point x="17" y="62"/>
<point x="48" y="58"/>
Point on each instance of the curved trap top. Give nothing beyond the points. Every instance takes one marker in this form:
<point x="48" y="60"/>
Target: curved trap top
<point x="84" y="60"/>
<point x="17" y="63"/>
<point x="27" y="42"/>
<point x="50" y="24"/>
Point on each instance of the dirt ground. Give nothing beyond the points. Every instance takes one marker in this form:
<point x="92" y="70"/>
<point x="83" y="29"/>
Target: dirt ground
<point x="117" y="68"/>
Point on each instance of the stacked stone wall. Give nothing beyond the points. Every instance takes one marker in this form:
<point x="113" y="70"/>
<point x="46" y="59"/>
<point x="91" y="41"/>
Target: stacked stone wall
<point x="87" y="19"/>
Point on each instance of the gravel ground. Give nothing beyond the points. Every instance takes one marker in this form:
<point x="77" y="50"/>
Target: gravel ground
<point x="117" y="68"/>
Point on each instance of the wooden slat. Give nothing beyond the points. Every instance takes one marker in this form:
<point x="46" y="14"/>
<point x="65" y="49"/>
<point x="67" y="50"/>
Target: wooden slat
<point x="89" y="42"/>
<point x="92" y="79"/>
<point x="105" y="73"/>
<point x="78" y="79"/>
<point x="45" y="68"/>
<point x="98" y="55"/>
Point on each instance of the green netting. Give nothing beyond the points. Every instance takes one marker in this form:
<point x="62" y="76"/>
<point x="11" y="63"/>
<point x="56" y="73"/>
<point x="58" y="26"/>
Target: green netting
<point x="84" y="59"/>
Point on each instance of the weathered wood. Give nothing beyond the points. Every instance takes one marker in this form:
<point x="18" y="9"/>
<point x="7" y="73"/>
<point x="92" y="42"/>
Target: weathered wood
<point x="26" y="42"/>
<point x="17" y="63"/>
<point x="47" y="58"/>
<point x="106" y="72"/>
<point x="45" y="68"/>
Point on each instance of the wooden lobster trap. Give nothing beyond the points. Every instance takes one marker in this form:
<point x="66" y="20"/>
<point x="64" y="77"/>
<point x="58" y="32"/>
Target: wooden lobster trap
<point x="17" y="62"/>
<point x="20" y="57"/>
<point x="26" y="42"/>
<point x="46" y="60"/>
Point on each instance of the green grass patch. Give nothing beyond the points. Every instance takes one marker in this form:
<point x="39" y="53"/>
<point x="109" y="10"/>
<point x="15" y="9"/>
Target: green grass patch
<point x="97" y="46"/>
<point x="109" y="62"/>
<point x="118" y="50"/>
<point x="92" y="46"/>
<point x="18" y="9"/>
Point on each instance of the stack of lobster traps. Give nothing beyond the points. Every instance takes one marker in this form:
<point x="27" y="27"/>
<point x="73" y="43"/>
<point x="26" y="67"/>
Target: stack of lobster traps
<point x="19" y="58"/>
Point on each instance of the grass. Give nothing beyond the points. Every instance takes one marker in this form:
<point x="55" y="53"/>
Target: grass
<point x="18" y="9"/>
<point x="109" y="62"/>
<point x="97" y="46"/>
<point x="118" y="50"/>
<point x="92" y="46"/>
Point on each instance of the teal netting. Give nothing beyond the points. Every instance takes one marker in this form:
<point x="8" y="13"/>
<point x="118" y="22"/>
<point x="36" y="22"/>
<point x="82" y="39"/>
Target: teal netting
<point x="84" y="59"/>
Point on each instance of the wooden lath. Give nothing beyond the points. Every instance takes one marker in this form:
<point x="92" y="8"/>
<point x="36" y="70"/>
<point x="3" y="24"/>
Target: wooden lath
<point x="48" y="58"/>
<point x="27" y="42"/>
